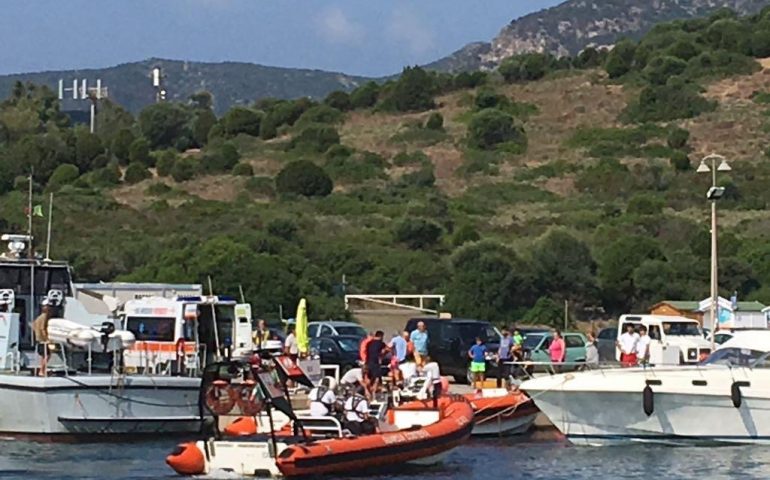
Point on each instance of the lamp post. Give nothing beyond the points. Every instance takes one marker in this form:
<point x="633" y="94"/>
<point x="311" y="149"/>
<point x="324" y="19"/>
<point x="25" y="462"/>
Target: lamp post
<point x="709" y="165"/>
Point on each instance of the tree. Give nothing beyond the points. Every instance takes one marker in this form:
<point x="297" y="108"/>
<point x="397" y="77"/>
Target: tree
<point x="204" y="122"/>
<point x="185" y="168"/>
<point x="339" y="100"/>
<point x="320" y="114"/>
<point x="413" y="92"/>
<point x="241" y="120"/>
<point x="564" y="267"/>
<point x="680" y="161"/>
<point x="305" y="178"/>
<point x="220" y="158"/>
<point x="165" y="162"/>
<point x="616" y="265"/>
<point x="139" y="152"/>
<point x="469" y="79"/>
<point x="121" y="145"/>
<point x="645" y="204"/>
<point x="163" y="124"/>
<point x="202" y="100"/>
<point x="660" y="69"/>
<point x="590" y="57"/>
<point x="135" y="173"/>
<point x="728" y="34"/>
<point x="365" y="96"/>
<point x="491" y="127"/>
<point x="546" y="311"/>
<point x="677" y="138"/>
<point x="488" y="281"/>
<point x="87" y="147"/>
<point x="417" y="233"/>
<point x="620" y="60"/>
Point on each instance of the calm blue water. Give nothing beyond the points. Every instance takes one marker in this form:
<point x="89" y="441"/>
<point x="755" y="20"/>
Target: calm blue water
<point x="488" y="460"/>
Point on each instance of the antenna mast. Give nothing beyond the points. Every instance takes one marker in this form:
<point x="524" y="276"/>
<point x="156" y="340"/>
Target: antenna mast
<point x="84" y="92"/>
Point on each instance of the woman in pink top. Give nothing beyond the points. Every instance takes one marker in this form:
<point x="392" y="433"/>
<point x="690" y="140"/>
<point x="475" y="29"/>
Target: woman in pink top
<point x="557" y="350"/>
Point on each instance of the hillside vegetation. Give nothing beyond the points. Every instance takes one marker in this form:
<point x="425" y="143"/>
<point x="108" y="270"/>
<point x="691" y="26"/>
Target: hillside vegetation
<point x="548" y="180"/>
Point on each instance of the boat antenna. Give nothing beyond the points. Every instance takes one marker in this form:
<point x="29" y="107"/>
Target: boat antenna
<point x="214" y="319"/>
<point x="240" y="289"/>
<point x="48" y="236"/>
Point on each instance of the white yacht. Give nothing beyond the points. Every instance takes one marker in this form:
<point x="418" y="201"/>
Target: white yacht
<point x="76" y="385"/>
<point x="725" y="399"/>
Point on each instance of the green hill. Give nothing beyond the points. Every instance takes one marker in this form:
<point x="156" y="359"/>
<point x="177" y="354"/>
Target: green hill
<point x="547" y="180"/>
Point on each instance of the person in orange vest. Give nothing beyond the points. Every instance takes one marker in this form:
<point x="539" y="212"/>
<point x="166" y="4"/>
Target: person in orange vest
<point x="362" y="347"/>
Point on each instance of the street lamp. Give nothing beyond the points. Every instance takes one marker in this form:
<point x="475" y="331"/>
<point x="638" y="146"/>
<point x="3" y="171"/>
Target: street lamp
<point x="709" y="165"/>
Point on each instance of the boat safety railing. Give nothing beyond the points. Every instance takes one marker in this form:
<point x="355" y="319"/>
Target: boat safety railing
<point x="321" y="426"/>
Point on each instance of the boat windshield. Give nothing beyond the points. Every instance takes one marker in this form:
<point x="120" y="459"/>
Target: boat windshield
<point x="738" y="357"/>
<point x="682" y="329"/>
<point x="348" y="344"/>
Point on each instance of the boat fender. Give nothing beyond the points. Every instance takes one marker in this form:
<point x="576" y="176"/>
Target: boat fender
<point x="220" y="397"/>
<point x="648" y="400"/>
<point x="735" y="395"/>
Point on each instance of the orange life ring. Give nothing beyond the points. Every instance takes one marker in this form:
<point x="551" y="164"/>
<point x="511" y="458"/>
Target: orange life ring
<point x="220" y="397"/>
<point x="248" y="400"/>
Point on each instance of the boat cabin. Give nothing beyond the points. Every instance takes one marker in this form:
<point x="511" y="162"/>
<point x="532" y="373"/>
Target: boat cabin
<point x="195" y="330"/>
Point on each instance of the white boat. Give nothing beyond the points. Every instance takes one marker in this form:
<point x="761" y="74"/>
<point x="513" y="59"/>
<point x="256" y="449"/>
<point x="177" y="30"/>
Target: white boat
<point x="724" y="400"/>
<point x="76" y="385"/>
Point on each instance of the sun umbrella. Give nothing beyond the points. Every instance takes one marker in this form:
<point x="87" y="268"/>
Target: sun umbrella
<point x="301" y="327"/>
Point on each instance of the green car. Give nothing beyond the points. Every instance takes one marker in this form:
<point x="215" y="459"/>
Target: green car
<point x="537" y="344"/>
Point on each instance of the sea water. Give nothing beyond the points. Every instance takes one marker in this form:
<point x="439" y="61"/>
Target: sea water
<point x="478" y="459"/>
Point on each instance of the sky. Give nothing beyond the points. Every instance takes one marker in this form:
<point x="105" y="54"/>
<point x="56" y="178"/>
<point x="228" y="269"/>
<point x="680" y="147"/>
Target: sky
<point x="361" y="37"/>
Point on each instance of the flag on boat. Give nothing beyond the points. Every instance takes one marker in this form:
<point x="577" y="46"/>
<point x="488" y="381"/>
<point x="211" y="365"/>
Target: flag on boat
<point x="37" y="211"/>
<point x="301" y="327"/>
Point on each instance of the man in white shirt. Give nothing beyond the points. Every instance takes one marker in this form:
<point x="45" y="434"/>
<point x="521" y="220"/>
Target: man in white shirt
<point x="433" y="378"/>
<point x="643" y="346"/>
<point x="322" y="398"/>
<point x="290" y="345"/>
<point x="357" y="416"/>
<point x="627" y="346"/>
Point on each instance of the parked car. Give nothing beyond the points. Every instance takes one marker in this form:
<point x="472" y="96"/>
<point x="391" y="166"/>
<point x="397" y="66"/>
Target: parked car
<point x="675" y="339"/>
<point x="449" y="340"/>
<point x="329" y="329"/>
<point x="339" y="350"/>
<point x="605" y="343"/>
<point x="536" y="347"/>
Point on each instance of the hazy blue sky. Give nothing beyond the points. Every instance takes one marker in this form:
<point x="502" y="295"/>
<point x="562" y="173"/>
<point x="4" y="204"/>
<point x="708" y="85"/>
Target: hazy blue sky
<point x="367" y="37"/>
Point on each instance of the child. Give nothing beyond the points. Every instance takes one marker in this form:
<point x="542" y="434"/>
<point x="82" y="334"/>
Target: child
<point x="478" y="356"/>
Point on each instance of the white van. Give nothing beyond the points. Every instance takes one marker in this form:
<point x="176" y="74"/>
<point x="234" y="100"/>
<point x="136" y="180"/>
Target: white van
<point x="675" y="340"/>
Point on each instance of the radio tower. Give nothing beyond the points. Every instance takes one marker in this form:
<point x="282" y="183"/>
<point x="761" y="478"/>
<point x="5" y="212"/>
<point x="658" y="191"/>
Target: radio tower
<point x="81" y="91"/>
<point x="157" y="83"/>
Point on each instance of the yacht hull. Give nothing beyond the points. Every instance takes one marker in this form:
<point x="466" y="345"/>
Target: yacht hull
<point x="688" y="406"/>
<point x="98" y="406"/>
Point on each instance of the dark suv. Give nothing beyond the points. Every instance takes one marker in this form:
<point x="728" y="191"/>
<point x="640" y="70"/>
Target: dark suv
<point x="449" y="340"/>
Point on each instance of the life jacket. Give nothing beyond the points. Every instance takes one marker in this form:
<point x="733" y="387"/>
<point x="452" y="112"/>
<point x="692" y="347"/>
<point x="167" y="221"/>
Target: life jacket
<point x="355" y="401"/>
<point x="320" y="392"/>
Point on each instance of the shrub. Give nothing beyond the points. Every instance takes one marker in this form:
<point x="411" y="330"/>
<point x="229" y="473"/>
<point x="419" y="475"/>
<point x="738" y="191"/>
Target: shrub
<point x="305" y="178"/>
<point x="530" y="66"/>
<point x="415" y="158"/>
<point x="422" y="178"/>
<point x="356" y="168"/>
<point x="680" y="161"/>
<point x="185" y="168"/>
<point x="316" y="138"/>
<point x="413" y="92"/>
<point x="488" y="98"/>
<point x="321" y="114"/>
<point x="465" y="234"/>
<point x="435" y="122"/>
<point x="157" y="189"/>
<point x="135" y="173"/>
<point x="644" y="204"/>
<point x="220" y="158"/>
<point x="105" y="177"/>
<point x="165" y="162"/>
<point x="121" y="145"/>
<point x="620" y="60"/>
<point x="469" y="79"/>
<point x="243" y="170"/>
<point x="64" y="174"/>
<point x="365" y="96"/>
<point x="282" y="228"/>
<point x="139" y="152"/>
<point x="677" y="138"/>
<point x="339" y="100"/>
<point x="660" y="69"/>
<point x="418" y="233"/>
<point x="660" y="103"/>
<point x="260" y="186"/>
<point x="491" y="127"/>
<point x="241" y="120"/>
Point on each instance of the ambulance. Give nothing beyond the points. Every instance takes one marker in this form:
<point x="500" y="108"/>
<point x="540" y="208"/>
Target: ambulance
<point x="183" y="334"/>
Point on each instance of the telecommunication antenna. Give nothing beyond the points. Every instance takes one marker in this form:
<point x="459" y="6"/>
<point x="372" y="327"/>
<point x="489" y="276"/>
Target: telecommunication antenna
<point x="157" y="82"/>
<point x="81" y="91"/>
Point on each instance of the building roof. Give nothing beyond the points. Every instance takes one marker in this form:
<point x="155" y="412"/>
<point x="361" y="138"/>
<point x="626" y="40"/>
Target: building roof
<point x="690" y="306"/>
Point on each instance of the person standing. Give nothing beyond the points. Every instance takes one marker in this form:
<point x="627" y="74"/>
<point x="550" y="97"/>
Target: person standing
<point x="557" y="350"/>
<point x="40" y="331"/>
<point x="398" y="347"/>
<point x="362" y="347"/>
<point x="504" y="355"/>
<point x="592" y="352"/>
<point x="433" y="378"/>
<point x="478" y="356"/>
<point x="290" y="345"/>
<point x="627" y="346"/>
<point x="374" y="351"/>
<point x="643" y="346"/>
<point x="261" y="334"/>
<point x="419" y="338"/>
